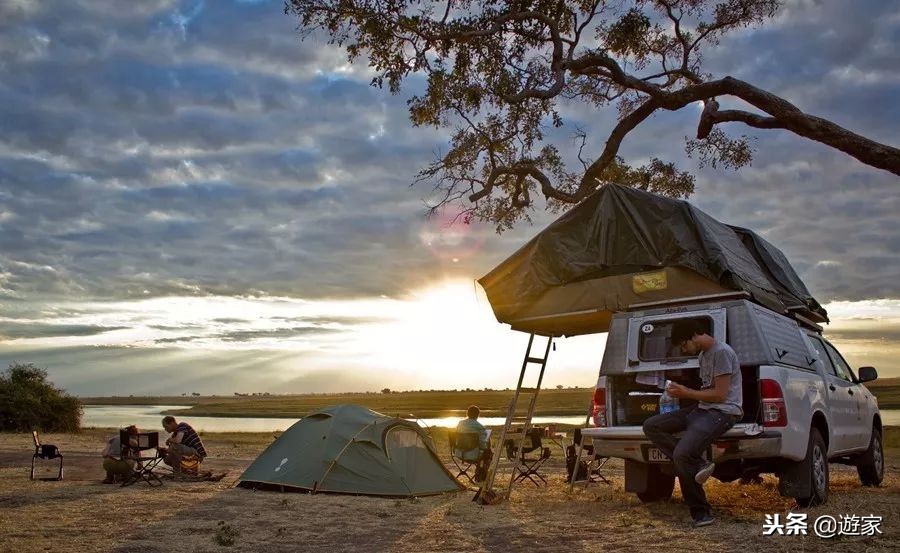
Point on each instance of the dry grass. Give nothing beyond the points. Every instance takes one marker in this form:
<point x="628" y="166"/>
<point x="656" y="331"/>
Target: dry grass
<point x="80" y="514"/>
<point x="423" y="404"/>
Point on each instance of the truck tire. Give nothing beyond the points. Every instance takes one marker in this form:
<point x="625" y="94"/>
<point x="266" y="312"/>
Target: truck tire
<point x="659" y="486"/>
<point x="817" y="463"/>
<point x="870" y="465"/>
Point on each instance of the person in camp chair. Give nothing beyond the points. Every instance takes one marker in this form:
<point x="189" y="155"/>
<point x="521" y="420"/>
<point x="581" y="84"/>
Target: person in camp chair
<point x="184" y="442"/>
<point x="482" y="454"/>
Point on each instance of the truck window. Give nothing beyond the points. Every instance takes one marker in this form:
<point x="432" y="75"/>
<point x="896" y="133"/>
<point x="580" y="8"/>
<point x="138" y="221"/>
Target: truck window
<point x="842" y="369"/>
<point x="819" y="346"/>
<point x="655" y="342"/>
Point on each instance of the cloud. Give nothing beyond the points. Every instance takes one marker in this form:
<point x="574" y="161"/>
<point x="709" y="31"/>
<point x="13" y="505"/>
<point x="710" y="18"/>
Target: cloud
<point x="209" y="165"/>
<point x="13" y="330"/>
<point x="289" y="332"/>
<point x="187" y="149"/>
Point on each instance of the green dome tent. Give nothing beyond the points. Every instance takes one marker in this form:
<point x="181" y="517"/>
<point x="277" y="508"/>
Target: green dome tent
<point x="351" y="449"/>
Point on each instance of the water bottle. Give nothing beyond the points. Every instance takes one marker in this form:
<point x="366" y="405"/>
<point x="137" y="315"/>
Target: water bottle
<point x="667" y="403"/>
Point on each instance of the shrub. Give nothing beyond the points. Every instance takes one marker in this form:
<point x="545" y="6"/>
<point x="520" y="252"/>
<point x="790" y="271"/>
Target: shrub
<point x="226" y="534"/>
<point x="28" y="401"/>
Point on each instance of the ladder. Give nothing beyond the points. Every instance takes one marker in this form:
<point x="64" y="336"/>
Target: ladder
<point x="579" y="457"/>
<point x="522" y="422"/>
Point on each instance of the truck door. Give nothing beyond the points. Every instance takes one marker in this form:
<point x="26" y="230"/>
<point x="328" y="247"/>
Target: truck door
<point x="859" y="433"/>
<point x="840" y="400"/>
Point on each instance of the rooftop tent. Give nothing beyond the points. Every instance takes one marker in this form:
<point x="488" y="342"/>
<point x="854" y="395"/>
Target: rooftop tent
<point x="351" y="449"/>
<point x="622" y="246"/>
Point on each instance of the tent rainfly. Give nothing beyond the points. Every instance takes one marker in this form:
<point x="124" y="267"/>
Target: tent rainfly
<point x="621" y="247"/>
<point x="353" y="450"/>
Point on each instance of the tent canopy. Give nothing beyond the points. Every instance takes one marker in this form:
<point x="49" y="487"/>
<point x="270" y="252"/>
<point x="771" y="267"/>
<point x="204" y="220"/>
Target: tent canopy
<point x="622" y="246"/>
<point x="351" y="449"/>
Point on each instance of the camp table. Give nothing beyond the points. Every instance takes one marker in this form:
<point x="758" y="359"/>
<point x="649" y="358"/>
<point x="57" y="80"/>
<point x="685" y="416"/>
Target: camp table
<point x="558" y="438"/>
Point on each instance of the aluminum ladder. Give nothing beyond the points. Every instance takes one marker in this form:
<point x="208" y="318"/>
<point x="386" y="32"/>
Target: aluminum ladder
<point x="522" y="422"/>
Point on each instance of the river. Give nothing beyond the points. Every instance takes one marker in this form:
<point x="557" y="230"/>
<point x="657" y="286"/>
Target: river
<point x="149" y="416"/>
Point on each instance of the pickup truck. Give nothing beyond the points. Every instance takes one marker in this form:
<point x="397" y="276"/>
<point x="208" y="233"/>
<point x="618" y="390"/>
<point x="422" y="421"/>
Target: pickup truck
<point x="804" y="407"/>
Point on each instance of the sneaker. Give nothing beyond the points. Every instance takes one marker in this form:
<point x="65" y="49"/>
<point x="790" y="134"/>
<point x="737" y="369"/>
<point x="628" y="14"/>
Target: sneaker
<point x="107" y="480"/>
<point x="704" y="520"/>
<point x="704" y="473"/>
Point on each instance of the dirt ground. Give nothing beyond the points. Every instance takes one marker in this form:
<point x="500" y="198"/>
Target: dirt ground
<point x="81" y="514"/>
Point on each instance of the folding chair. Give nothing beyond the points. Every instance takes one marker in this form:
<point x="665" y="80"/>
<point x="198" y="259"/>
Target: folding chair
<point x="528" y="466"/>
<point x="45" y="452"/>
<point x="461" y="442"/>
<point x="589" y="465"/>
<point x="133" y="446"/>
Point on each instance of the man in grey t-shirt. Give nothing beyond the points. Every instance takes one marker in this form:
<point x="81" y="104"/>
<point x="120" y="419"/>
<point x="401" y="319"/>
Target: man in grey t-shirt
<point x="718" y="408"/>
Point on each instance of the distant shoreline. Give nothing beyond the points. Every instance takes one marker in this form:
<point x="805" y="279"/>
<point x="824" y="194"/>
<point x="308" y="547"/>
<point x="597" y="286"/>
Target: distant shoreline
<point x="552" y="402"/>
<point x="423" y="404"/>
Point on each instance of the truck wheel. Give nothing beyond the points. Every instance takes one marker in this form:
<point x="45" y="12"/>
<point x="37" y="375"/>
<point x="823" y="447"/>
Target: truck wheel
<point x="817" y="461"/>
<point x="659" y="486"/>
<point x="871" y="463"/>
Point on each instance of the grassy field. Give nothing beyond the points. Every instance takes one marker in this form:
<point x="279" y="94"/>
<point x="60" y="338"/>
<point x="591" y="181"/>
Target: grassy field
<point x="424" y="404"/>
<point x="81" y="514"/>
<point x="887" y="390"/>
<point x="421" y="404"/>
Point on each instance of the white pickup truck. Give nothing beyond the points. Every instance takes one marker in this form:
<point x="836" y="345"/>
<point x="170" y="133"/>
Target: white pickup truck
<point x="803" y="405"/>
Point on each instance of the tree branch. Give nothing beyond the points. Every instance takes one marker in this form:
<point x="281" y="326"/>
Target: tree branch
<point x="595" y="171"/>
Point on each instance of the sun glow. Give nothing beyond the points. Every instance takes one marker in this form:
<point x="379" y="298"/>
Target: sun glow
<point x="446" y="337"/>
<point x="443" y="336"/>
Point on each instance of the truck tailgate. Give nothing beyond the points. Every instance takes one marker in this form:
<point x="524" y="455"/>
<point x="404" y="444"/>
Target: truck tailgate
<point x="740" y="430"/>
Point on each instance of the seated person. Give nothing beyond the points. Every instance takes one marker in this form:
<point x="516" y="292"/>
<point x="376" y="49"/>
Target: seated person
<point x="113" y="463"/>
<point x="183" y="442"/>
<point x="482" y="455"/>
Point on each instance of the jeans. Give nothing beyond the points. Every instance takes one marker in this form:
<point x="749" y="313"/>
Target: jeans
<point x="701" y="428"/>
<point x="176" y="452"/>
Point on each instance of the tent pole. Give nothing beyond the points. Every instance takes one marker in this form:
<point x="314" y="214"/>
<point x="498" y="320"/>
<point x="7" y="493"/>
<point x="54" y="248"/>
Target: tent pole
<point x="341" y="452"/>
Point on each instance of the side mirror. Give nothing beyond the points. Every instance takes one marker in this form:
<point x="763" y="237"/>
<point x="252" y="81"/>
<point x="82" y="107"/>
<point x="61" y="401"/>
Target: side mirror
<point x="867" y="374"/>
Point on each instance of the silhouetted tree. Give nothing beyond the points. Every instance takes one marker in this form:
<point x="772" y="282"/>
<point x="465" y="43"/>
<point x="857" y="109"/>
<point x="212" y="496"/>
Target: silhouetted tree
<point x="28" y="401"/>
<point x="498" y="71"/>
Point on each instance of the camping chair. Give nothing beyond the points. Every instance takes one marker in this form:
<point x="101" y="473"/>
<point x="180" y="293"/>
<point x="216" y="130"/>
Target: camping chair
<point x="589" y="465"/>
<point x="462" y="442"/>
<point x="528" y="466"/>
<point x="132" y="447"/>
<point x="45" y="452"/>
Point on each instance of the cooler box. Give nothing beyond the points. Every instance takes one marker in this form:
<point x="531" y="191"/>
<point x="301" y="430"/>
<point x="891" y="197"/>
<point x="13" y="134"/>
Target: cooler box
<point x="640" y="406"/>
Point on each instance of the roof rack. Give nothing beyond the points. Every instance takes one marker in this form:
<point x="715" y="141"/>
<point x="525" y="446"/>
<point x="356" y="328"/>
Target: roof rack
<point x="691" y="299"/>
<point x="810" y="324"/>
<point x="554" y="315"/>
<point x="808" y="313"/>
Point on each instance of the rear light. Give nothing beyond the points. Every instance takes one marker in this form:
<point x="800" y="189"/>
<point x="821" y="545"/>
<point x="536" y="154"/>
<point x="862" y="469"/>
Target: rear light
<point x="774" y="412"/>
<point x="598" y="408"/>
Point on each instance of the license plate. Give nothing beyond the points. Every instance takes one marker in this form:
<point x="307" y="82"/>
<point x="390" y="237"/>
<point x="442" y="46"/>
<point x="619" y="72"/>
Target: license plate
<point x="654" y="455"/>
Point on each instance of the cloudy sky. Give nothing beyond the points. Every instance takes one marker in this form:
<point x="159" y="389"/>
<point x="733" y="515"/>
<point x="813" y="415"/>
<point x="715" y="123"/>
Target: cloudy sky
<point x="191" y="199"/>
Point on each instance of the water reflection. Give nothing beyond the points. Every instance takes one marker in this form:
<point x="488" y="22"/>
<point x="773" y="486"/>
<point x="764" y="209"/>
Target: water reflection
<point x="150" y="417"/>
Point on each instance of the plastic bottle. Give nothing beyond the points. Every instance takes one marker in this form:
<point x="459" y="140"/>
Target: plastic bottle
<point x="667" y="403"/>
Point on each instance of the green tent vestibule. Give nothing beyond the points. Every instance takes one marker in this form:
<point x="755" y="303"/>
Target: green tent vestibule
<point x="353" y="450"/>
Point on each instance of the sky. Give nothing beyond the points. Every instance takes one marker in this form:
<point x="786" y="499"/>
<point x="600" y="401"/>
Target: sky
<point x="194" y="200"/>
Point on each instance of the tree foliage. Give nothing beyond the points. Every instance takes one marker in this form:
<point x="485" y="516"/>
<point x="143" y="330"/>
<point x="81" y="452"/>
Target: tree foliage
<point x="499" y="71"/>
<point x="28" y="401"/>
